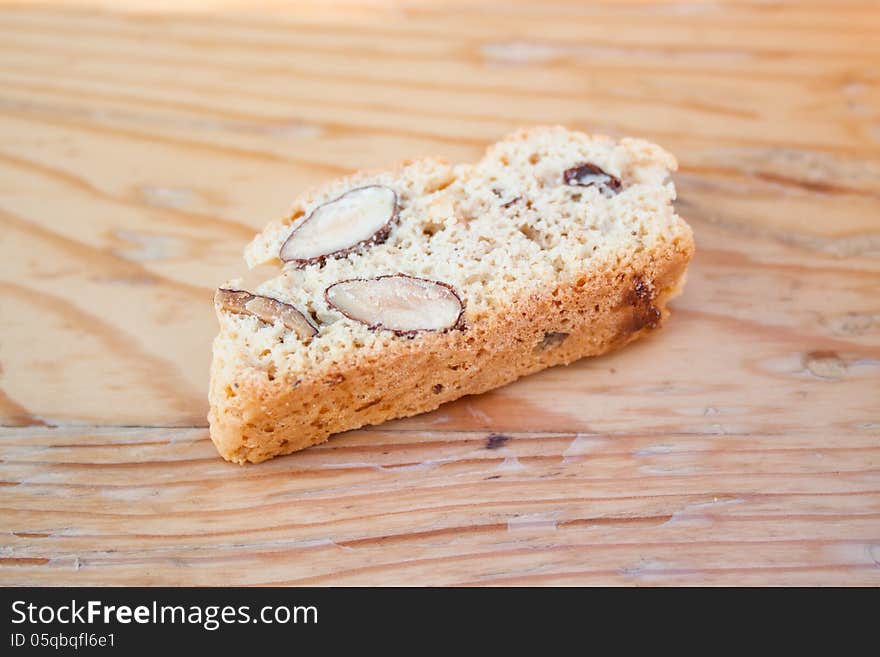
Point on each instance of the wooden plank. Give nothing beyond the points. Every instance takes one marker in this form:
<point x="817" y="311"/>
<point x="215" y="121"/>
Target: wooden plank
<point x="371" y="507"/>
<point x="141" y="147"/>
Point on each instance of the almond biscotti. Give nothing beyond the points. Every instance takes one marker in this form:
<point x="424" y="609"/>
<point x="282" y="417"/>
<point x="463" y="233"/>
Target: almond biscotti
<point x="403" y="289"/>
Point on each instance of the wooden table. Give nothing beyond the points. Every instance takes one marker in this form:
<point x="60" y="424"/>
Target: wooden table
<point x="140" y="150"/>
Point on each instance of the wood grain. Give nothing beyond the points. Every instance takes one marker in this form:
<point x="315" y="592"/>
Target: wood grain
<point x="141" y="149"/>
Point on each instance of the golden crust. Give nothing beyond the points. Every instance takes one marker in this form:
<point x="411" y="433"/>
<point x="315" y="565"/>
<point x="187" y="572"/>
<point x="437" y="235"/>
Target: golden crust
<point x="254" y="417"/>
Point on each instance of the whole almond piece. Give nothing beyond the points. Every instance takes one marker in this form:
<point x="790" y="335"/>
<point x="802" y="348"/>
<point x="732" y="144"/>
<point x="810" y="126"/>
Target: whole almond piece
<point x="266" y="309"/>
<point x="358" y="217"/>
<point x="404" y="304"/>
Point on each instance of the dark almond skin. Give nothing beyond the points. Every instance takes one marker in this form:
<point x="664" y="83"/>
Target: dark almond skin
<point x="457" y="325"/>
<point x="575" y="175"/>
<point x="551" y="339"/>
<point x="266" y="309"/>
<point x="380" y="236"/>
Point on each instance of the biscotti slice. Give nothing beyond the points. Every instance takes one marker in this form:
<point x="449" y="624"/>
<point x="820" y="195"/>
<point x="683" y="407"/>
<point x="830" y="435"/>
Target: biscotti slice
<point x="403" y="289"/>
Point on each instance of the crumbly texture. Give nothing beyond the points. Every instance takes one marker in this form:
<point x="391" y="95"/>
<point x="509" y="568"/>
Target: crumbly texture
<point x="548" y="273"/>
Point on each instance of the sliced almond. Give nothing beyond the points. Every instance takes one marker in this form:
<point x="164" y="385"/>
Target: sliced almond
<point x="232" y="300"/>
<point x="266" y="309"/>
<point x="400" y="303"/>
<point x="271" y="310"/>
<point x="361" y="216"/>
<point x="585" y="175"/>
